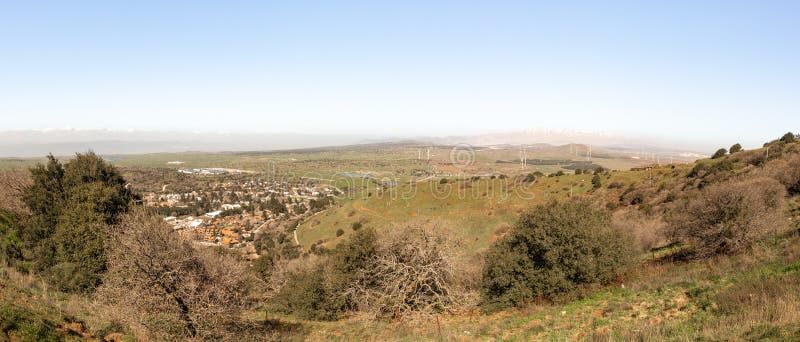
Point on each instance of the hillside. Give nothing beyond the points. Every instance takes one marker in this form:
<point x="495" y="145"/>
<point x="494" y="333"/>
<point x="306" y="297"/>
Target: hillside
<point x="672" y="291"/>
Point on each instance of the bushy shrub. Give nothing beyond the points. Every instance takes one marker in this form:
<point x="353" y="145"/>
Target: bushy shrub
<point x="726" y="218"/>
<point x="719" y="154"/>
<point x="554" y="250"/>
<point x="325" y="290"/>
<point x="786" y="171"/>
<point x="736" y="148"/>
<point x="264" y="266"/>
<point x="597" y="183"/>
<point x="638" y="198"/>
<point x="305" y="294"/>
<point x="18" y="325"/>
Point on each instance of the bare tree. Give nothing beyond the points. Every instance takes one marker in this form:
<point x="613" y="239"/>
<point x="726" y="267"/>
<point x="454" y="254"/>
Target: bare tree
<point x="167" y="286"/>
<point x="726" y="218"/>
<point x="417" y="269"/>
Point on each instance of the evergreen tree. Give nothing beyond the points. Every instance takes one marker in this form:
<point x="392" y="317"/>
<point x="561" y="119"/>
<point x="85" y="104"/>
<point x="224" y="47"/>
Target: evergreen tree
<point x="71" y="207"/>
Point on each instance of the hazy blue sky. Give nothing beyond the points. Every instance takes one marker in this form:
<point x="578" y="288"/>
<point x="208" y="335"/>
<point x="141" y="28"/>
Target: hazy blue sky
<point x="728" y="70"/>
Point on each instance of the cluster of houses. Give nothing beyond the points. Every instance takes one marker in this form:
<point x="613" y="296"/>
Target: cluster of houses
<point x="204" y="171"/>
<point x="232" y="212"/>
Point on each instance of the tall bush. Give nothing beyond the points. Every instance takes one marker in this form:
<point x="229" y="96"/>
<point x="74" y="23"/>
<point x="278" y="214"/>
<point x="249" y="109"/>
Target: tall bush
<point x="554" y="250"/>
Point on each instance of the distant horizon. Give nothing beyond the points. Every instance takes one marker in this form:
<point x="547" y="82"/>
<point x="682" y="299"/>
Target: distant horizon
<point x="66" y="141"/>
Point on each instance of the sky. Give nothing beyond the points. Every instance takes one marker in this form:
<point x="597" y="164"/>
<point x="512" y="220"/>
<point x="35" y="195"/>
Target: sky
<point x="713" y="70"/>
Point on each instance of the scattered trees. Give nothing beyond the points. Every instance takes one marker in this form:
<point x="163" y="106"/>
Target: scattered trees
<point x="274" y="206"/>
<point x="554" y="250"/>
<point x="319" y="204"/>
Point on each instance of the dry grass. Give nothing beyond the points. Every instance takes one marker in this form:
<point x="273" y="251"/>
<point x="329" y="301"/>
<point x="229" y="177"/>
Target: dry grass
<point x="648" y="231"/>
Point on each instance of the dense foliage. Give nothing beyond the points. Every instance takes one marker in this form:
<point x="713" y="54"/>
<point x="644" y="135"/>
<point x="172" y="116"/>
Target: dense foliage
<point x="71" y="206"/>
<point x="554" y="250"/>
<point x="10" y="242"/>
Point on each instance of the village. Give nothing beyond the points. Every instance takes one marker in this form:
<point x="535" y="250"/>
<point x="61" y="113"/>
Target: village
<point x="232" y="212"/>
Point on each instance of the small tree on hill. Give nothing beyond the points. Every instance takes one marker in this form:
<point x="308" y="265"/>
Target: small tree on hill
<point x="720" y="153"/>
<point x="597" y="183"/>
<point x="788" y="137"/>
<point x="736" y="148"/>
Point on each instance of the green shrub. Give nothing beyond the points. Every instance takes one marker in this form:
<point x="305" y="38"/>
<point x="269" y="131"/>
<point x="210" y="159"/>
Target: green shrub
<point x="321" y="292"/>
<point x="10" y="242"/>
<point x="16" y="325"/>
<point x="306" y="295"/>
<point x="529" y="178"/>
<point x="719" y="154"/>
<point x="597" y="183"/>
<point x="638" y="198"/>
<point x="264" y="266"/>
<point x="736" y="148"/>
<point x="554" y="250"/>
<point x="339" y="232"/>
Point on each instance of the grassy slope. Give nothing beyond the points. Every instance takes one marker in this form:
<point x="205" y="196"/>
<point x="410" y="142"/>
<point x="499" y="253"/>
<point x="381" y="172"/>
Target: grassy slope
<point x="750" y="297"/>
<point x="477" y="209"/>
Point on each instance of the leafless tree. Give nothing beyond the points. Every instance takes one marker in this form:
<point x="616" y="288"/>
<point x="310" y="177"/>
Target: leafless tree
<point x="165" y="285"/>
<point x="726" y="218"/>
<point x="418" y="270"/>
